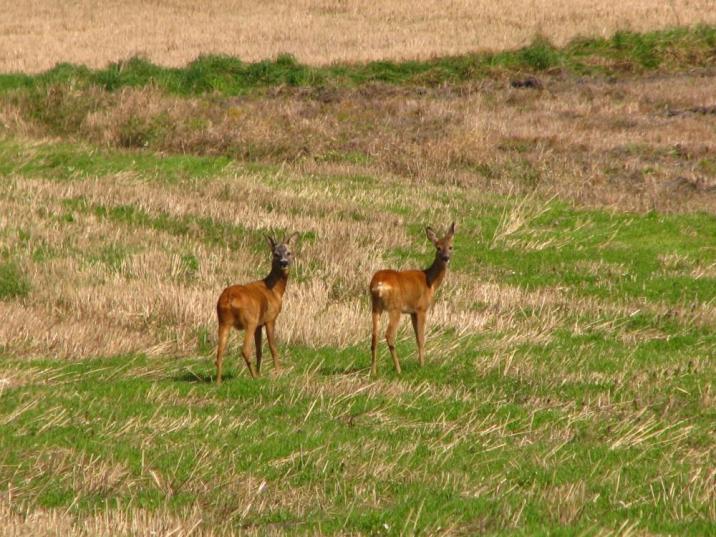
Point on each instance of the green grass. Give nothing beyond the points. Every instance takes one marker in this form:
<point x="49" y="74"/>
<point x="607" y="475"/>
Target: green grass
<point x="66" y="161"/>
<point x="446" y="445"/>
<point x="230" y="76"/>
<point x="13" y="283"/>
<point x="555" y="245"/>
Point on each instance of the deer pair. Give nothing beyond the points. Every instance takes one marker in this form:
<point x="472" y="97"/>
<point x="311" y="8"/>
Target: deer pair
<point x="256" y="305"/>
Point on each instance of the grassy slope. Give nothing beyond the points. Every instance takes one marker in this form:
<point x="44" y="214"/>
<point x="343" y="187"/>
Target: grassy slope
<point x="594" y="414"/>
<point x="671" y="49"/>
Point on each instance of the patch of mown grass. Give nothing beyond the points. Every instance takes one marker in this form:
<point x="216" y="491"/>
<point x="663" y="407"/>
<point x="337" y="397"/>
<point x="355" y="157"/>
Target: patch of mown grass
<point x="65" y="161"/>
<point x="13" y="282"/>
<point x="483" y="449"/>
<point x="552" y="244"/>
<point x="112" y="255"/>
<point x="204" y="229"/>
<point x="230" y="76"/>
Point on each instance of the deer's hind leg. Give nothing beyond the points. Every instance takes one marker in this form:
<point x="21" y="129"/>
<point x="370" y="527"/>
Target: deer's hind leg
<point x="374" y="341"/>
<point x="224" y="330"/>
<point x="246" y="348"/>
<point x="393" y="321"/>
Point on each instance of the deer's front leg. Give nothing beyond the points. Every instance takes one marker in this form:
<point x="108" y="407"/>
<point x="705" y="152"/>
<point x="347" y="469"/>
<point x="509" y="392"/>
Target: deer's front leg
<point x="272" y="345"/>
<point x="257" y="342"/>
<point x="224" y="330"/>
<point x="418" y="319"/>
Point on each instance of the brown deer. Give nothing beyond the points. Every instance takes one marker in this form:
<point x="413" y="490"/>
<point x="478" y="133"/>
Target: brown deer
<point x="408" y="291"/>
<point x="253" y="306"/>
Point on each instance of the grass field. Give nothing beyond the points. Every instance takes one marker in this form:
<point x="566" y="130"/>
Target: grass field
<point x="569" y="384"/>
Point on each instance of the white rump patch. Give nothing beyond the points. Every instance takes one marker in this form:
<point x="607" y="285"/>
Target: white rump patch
<point x="380" y="288"/>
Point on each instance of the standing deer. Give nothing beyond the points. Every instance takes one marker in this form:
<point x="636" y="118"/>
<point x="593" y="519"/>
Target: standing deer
<point x="253" y="306"/>
<point x="408" y="291"/>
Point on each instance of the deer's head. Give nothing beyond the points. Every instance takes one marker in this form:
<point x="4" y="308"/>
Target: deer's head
<point x="281" y="251"/>
<point x="444" y="245"/>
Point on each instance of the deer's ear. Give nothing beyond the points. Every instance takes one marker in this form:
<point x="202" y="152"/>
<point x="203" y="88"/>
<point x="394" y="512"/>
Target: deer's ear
<point x="432" y="237"/>
<point x="271" y="242"/>
<point x="291" y="239"/>
<point x="451" y="231"/>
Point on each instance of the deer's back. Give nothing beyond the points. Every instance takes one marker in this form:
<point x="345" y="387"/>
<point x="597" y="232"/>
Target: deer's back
<point x="405" y="290"/>
<point x="252" y="303"/>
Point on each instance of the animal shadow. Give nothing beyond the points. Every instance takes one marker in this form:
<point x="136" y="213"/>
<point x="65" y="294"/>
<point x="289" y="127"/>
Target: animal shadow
<point x="200" y="377"/>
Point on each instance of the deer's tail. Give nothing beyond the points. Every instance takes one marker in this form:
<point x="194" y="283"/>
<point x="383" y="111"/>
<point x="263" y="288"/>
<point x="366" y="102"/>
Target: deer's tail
<point x="379" y="289"/>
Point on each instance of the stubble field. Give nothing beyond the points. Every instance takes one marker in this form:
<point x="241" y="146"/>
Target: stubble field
<point x="37" y="35"/>
<point x="569" y="384"/>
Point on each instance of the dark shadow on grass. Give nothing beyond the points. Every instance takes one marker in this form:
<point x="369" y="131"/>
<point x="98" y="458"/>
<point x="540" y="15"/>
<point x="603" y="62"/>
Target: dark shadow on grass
<point x="201" y="378"/>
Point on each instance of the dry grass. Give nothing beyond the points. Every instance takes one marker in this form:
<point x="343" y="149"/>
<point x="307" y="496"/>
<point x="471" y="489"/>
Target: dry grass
<point x="110" y="287"/>
<point x="19" y="522"/>
<point x="41" y="34"/>
<point x="598" y="143"/>
<point x="145" y="304"/>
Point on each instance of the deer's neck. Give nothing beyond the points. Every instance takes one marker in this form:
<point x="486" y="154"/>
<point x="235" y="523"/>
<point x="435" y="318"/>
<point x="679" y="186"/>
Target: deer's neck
<point x="435" y="273"/>
<point x="276" y="280"/>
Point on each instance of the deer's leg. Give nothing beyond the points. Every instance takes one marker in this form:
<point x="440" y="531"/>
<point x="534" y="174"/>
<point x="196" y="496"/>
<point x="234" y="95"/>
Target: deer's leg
<point x="246" y="348"/>
<point x="393" y="321"/>
<point x="418" y="319"/>
<point x="272" y="344"/>
<point x="374" y="342"/>
<point x="257" y="341"/>
<point x="223" y="337"/>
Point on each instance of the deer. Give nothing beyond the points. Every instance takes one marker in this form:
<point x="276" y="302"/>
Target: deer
<point x="254" y="306"/>
<point x="408" y="291"/>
